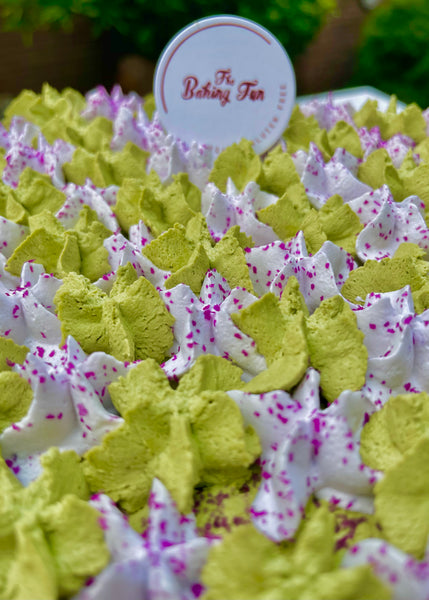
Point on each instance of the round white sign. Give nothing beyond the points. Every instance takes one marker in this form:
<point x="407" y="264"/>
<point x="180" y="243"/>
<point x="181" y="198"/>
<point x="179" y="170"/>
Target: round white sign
<point x="222" y="79"/>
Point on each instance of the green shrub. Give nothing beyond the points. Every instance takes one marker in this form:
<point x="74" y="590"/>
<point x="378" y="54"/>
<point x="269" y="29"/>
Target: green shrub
<point x="393" y="55"/>
<point x="149" y="24"/>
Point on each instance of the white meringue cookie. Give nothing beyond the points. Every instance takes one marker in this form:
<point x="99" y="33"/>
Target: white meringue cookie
<point x="397" y="340"/>
<point x="121" y="251"/>
<point x="327" y="113"/>
<point x="322" y="180"/>
<point x="47" y="159"/>
<point x="67" y="411"/>
<point x="139" y="235"/>
<point x="369" y="204"/>
<point x="407" y="577"/>
<point x="24" y="318"/>
<point x="192" y="329"/>
<point x="395" y="223"/>
<point x="320" y="276"/>
<point x="165" y="565"/>
<point x="99" y="103"/>
<point x="11" y="235"/>
<point x="204" y="326"/>
<point x="80" y="195"/>
<point x="305" y="451"/>
<point x="223" y="211"/>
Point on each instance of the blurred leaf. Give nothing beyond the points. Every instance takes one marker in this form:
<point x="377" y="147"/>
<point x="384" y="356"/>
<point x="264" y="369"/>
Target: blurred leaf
<point x="393" y="52"/>
<point x="150" y="25"/>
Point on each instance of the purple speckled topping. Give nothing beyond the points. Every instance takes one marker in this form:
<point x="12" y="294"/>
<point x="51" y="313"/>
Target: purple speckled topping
<point x="310" y="452"/>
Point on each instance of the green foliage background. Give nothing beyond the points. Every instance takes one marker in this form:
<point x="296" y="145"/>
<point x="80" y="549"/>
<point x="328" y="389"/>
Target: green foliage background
<point x="394" y="50"/>
<point x="149" y="24"/>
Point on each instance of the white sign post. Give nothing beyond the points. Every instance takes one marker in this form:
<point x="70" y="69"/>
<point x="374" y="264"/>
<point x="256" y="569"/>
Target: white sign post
<point x="222" y="79"/>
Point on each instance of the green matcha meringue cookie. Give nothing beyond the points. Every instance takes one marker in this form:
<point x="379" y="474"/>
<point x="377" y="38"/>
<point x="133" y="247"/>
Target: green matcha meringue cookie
<point x="406" y="267"/>
<point x="336" y="347"/>
<point x="185" y="439"/>
<point x="144" y="197"/>
<point x="16" y="396"/>
<point x="132" y="323"/>
<point x="248" y="565"/>
<point x="51" y="540"/>
<point x="60" y="251"/>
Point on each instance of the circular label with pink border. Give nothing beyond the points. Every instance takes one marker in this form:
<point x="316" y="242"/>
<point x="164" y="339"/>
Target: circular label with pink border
<point x="222" y="79"/>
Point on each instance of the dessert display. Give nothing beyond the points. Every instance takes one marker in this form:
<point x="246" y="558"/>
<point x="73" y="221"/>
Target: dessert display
<point x="214" y="368"/>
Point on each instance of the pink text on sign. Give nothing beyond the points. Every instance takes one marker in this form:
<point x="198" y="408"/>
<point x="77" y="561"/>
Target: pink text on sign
<point x="221" y="88"/>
